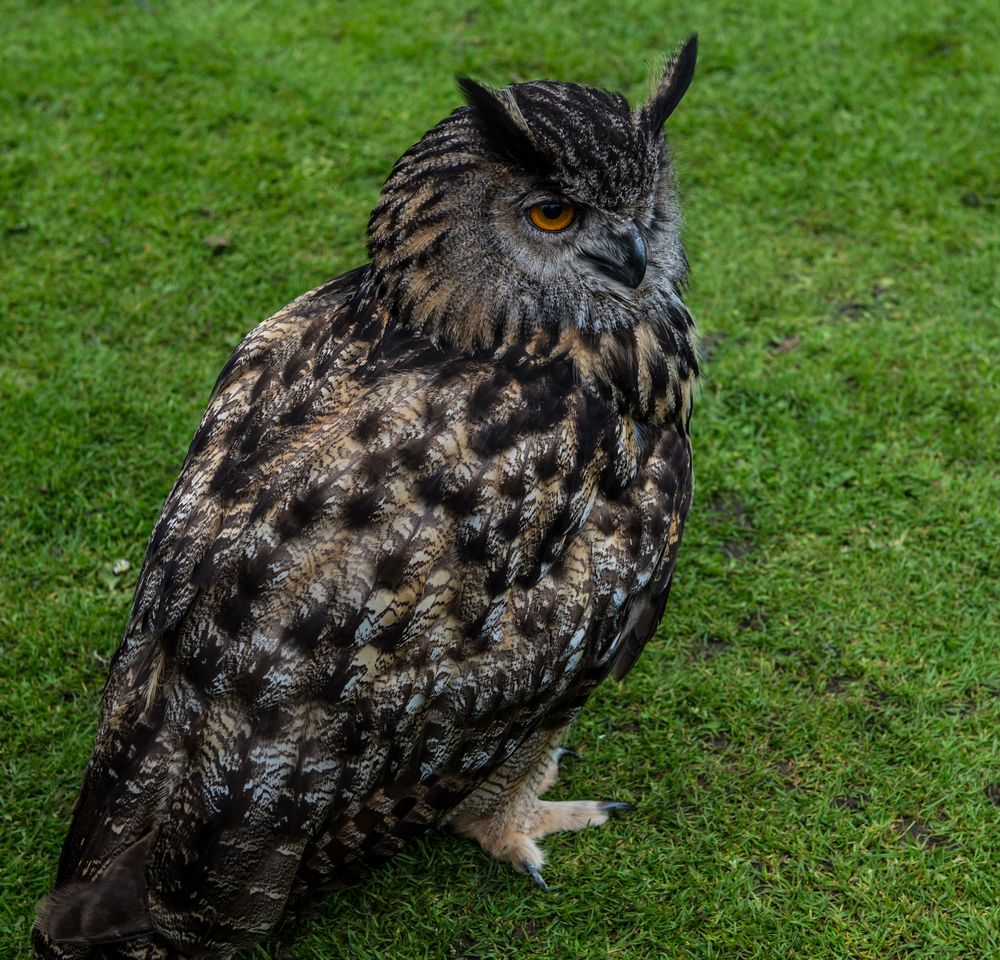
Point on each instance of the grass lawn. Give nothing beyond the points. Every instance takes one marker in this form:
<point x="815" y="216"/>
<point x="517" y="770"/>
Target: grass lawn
<point x="813" y="739"/>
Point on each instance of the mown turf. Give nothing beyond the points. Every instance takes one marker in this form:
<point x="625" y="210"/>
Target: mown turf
<point x="812" y="739"/>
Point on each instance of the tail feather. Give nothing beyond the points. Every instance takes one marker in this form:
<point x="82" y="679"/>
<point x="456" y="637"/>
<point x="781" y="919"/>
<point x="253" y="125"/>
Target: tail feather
<point x="114" y="906"/>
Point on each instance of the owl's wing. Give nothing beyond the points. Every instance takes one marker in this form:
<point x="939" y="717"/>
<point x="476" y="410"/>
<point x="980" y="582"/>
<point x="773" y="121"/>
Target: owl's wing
<point x="658" y="503"/>
<point x="379" y="571"/>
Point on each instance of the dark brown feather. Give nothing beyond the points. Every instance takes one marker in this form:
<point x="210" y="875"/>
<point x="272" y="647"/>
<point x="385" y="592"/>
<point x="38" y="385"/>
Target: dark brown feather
<point x="109" y="908"/>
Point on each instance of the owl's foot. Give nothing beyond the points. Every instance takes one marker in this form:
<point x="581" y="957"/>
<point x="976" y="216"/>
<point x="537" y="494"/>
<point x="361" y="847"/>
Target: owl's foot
<point x="506" y="818"/>
<point x="511" y="838"/>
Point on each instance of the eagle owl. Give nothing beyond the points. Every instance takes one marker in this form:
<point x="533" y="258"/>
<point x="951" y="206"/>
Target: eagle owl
<point x="431" y="505"/>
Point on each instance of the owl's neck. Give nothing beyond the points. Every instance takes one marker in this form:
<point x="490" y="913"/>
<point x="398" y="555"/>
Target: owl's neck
<point x="646" y="366"/>
<point x="647" y="371"/>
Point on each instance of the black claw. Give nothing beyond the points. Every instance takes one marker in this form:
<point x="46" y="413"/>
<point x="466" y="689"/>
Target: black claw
<point x="532" y="871"/>
<point x="566" y="752"/>
<point x="610" y="806"/>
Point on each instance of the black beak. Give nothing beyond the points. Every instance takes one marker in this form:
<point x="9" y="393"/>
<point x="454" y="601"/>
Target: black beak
<point x="622" y="256"/>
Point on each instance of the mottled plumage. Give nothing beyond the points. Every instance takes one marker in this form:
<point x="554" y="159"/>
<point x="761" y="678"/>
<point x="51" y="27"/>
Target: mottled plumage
<point x="431" y="506"/>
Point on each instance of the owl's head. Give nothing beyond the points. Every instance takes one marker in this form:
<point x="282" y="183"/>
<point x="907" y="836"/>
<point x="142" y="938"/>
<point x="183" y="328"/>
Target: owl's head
<point x="539" y="204"/>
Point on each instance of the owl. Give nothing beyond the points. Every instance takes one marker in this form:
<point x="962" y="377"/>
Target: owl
<point x="431" y="506"/>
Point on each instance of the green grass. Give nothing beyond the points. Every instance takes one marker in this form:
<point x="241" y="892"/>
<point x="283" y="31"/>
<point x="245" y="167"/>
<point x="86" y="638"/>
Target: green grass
<point x="812" y="738"/>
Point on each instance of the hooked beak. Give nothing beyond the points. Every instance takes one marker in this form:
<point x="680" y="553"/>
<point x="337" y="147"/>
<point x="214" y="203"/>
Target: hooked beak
<point x="622" y="256"/>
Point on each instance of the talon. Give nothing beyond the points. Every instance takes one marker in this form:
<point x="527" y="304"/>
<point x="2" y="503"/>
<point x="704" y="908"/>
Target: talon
<point x="566" y="752"/>
<point x="610" y="806"/>
<point x="532" y="871"/>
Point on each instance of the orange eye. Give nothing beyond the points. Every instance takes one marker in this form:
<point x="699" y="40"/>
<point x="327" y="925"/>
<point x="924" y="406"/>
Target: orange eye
<point x="557" y="215"/>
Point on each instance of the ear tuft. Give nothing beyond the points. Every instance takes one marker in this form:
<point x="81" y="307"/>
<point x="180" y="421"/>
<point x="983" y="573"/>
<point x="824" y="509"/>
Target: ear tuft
<point x="502" y="124"/>
<point x="676" y="79"/>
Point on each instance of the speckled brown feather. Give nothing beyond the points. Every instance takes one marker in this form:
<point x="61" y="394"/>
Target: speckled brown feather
<point x="410" y="533"/>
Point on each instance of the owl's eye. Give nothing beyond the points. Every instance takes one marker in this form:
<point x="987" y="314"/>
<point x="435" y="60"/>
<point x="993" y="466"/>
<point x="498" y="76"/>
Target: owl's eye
<point x="552" y="216"/>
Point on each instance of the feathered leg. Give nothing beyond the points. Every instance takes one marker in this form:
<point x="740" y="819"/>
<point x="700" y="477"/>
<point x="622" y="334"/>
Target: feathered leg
<point x="505" y="815"/>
